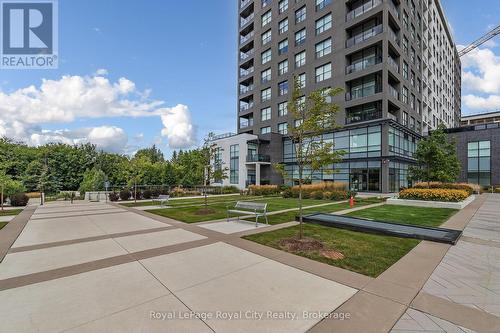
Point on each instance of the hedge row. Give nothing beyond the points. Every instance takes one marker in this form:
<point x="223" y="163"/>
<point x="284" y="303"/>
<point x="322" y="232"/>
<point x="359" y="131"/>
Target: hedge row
<point x="319" y="195"/>
<point x="434" y="194"/>
<point x="263" y="189"/>
<point x="470" y="188"/>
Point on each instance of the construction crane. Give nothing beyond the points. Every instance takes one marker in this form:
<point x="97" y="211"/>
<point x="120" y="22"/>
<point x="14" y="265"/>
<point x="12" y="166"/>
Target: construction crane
<point x="480" y="41"/>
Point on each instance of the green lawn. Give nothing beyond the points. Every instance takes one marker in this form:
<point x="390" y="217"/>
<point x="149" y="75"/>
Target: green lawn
<point x="182" y="202"/>
<point x="2" y="224"/>
<point x="364" y="253"/>
<point x="188" y="214"/>
<point x="10" y="212"/>
<point x="422" y="216"/>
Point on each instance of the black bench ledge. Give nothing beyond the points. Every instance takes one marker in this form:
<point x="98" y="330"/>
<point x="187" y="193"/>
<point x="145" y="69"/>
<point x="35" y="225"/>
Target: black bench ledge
<point x="441" y="235"/>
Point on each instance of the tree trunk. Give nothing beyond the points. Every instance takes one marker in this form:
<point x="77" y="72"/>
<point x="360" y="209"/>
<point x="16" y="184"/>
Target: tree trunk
<point x="1" y="198"/>
<point x="135" y="193"/>
<point x="301" y="231"/>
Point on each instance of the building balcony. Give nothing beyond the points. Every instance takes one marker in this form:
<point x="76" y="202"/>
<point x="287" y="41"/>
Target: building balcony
<point x="246" y="20"/>
<point x="393" y="92"/>
<point x="246" y="89"/>
<point x="364" y="64"/>
<point x="393" y="36"/>
<point x="247" y="37"/>
<point x="393" y="64"/>
<point x="244" y="3"/>
<point x="258" y="158"/>
<point x="246" y="107"/>
<point x="246" y="55"/>
<point x="365" y="35"/>
<point x="393" y="9"/>
<point x="363" y="116"/>
<point x="245" y="123"/>
<point x="367" y="6"/>
<point x="245" y="72"/>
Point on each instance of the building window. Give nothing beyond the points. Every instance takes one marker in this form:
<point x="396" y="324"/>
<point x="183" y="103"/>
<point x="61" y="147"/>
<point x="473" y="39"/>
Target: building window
<point x="404" y="94"/>
<point x="364" y="112"/>
<point x="234" y="166"/>
<point x="265" y="76"/>
<point x="282" y="88"/>
<point x="283" y="128"/>
<point x="405" y="70"/>
<point x="300" y="37"/>
<point x="405" y="119"/>
<point x="320" y="4"/>
<point x="265" y="130"/>
<point x="300" y="15"/>
<point x="282" y="109"/>
<point x="266" y="56"/>
<point x="283" y="67"/>
<point x="324" y="72"/>
<point x="265" y="114"/>
<point x="297" y="122"/>
<point x="479" y="163"/>
<point x="302" y="80"/>
<point x="323" y="24"/>
<point x="300" y="59"/>
<point x="266" y="18"/>
<point x="283" y="26"/>
<point x="283" y="47"/>
<point x="283" y="6"/>
<point x="266" y="37"/>
<point x="363" y="87"/>
<point x="265" y="95"/>
<point x="323" y="48"/>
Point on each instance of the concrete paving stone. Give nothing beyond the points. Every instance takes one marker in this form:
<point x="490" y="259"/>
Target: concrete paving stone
<point x="7" y="218"/>
<point x="267" y="288"/>
<point x="124" y="222"/>
<point x="57" y="230"/>
<point x="232" y="226"/>
<point x="417" y="321"/>
<point x="153" y="240"/>
<point x="28" y="262"/>
<point x="141" y="318"/>
<point x="198" y="265"/>
<point x="76" y="213"/>
<point x="67" y="302"/>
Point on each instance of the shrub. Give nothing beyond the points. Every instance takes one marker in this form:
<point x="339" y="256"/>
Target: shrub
<point x="146" y="194"/>
<point x="287" y="193"/>
<point x="470" y="188"/>
<point x="137" y="195"/>
<point x="316" y="195"/>
<point x="124" y="195"/>
<point x="263" y="189"/>
<point x="448" y="195"/>
<point x="19" y="200"/>
<point x="229" y="190"/>
<point x="33" y="195"/>
<point x="113" y="196"/>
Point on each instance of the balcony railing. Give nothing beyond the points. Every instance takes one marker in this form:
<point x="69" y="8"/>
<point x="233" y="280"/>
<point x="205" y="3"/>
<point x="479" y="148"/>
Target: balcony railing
<point x="245" y="89"/>
<point x="362" y="9"/>
<point x="246" y="123"/>
<point x="393" y="9"/>
<point x="357" y="94"/>
<point x="391" y="116"/>
<point x="393" y="64"/>
<point x="247" y="19"/>
<point x="364" y="64"/>
<point x="363" y="116"/>
<point x="245" y="72"/>
<point x="367" y="34"/>
<point x="246" y="55"/>
<point x="245" y="107"/>
<point x="258" y="158"/>
<point x="393" y="36"/>
<point x="244" y="3"/>
<point x="393" y="92"/>
<point x="247" y="37"/>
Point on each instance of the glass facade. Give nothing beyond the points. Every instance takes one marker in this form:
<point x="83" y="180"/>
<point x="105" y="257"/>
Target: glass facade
<point x="479" y="162"/>
<point x="234" y="167"/>
<point x="398" y="176"/>
<point x="401" y="143"/>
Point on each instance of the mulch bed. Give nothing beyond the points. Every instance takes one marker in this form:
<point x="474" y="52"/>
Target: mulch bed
<point x="307" y="245"/>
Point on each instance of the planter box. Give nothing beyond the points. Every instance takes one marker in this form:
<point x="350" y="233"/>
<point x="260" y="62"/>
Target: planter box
<point x="431" y="204"/>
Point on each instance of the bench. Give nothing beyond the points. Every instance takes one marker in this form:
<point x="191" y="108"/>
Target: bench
<point x="162" y="199"/>
<point x="249" y="208"/>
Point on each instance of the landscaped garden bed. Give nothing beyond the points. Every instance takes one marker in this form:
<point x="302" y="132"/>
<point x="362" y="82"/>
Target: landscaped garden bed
<point x="363" y="253"/>
<point x="437" y="195"/>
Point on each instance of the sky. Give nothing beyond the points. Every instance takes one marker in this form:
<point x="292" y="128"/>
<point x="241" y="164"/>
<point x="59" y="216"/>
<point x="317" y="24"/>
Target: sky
<point x="135" y="73"/>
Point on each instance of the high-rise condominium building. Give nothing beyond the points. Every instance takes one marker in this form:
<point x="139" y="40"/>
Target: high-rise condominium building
<point x="395" y="59"/>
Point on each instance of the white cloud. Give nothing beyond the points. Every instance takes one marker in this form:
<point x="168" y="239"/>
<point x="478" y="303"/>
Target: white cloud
<point x="179" y="130"/>
<point x="24" y="112"/>
<point x="488" y="103"/>
<point x="101" y="72"/>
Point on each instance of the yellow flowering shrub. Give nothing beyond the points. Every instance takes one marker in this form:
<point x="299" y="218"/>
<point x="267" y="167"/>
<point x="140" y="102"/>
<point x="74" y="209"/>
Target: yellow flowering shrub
<point x="434" y="194"/>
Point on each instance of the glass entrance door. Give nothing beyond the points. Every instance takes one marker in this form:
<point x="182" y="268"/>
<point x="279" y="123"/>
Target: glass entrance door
<point x="359" y="180"/>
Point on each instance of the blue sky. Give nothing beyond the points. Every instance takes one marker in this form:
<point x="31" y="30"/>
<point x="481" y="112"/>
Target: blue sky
<point x="177" y="52"/>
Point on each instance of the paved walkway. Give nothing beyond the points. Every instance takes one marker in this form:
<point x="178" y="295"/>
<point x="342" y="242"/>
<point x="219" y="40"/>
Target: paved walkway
<point x="98" y="267"/>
